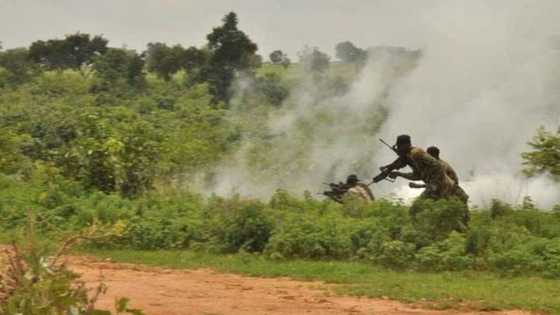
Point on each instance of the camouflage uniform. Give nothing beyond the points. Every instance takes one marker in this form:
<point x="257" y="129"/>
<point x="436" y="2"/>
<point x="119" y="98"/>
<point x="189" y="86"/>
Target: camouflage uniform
<point x="428" y="169"/>
<point x="457" y="191"/>
<point x="449" y="171"/>
<point x="362" y="191"/>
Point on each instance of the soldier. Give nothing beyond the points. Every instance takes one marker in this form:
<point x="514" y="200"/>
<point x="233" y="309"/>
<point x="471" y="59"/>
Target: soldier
<point x="458" y="192"/>
<point x="449" y="171"/>
<point x="361" y="190"/>
<point x="352" y="187"/>
<point x="424" y="167"/>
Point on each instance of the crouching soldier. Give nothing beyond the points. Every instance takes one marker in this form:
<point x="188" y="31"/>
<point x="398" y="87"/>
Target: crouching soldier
<point x="352" y="188"/>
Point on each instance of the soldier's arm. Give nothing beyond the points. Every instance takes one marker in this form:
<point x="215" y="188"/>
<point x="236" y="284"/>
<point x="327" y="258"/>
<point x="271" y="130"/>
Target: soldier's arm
<point x="396" y="165"/>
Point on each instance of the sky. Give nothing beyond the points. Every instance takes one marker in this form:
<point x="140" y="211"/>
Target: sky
<point x="273" y="24"/>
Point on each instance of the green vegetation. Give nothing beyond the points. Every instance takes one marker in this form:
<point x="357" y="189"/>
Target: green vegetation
<point x="34" y="279"/>
<point x="506" y="240"/>
<point x="91" y="134"/>
<point x="545" y="155"/>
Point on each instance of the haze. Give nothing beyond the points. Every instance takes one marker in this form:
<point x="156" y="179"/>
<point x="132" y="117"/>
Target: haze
<point x="288" y="24"/>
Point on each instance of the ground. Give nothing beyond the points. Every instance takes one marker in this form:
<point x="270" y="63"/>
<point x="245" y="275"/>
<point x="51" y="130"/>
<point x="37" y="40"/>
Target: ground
<point x="160" y="291"/>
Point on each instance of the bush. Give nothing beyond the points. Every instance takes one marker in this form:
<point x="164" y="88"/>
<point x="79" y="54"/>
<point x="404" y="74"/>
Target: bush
<point x="239" y="224"/>
<point x="312" y="236"/>
<point x="521" y="241"/>
<point x="395" y="254"/>
<point x="439" y="218"/>
<point x="37" y="282"/>
<point x="449" y="254"/>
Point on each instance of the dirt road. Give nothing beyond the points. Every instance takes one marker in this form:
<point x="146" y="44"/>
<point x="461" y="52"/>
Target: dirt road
<point x="176" y="292"/>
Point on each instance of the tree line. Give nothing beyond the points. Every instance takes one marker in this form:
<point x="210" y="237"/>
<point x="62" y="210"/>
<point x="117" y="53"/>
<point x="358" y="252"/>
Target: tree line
<point x="228" y="51"/>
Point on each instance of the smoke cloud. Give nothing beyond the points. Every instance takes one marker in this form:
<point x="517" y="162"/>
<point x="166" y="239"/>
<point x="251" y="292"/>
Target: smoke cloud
<point x="487" y="78"/>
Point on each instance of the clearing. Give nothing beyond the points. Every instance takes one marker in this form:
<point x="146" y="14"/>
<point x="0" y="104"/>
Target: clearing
<point x="160" y="291"/>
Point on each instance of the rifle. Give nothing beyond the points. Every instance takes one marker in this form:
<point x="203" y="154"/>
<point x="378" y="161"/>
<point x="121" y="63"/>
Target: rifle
<point x="386" y="170"/>
<point x="336" y="192"/>
<point x="389" y="146"/>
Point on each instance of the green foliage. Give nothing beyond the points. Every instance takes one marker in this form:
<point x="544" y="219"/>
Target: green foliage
<point x="314" y="60"/>
<point x="12" y="159"/>
<point x="306" y="236"/>
<point x="230" y="50"/>
<point x="164" y="60"/>
<point x="72" y="52"/>
<point x="36" y="280"/>
<point x="100" y="132"/>
<point x="117" y="152"/>
<point x="239" y="224"/>
<point x="278" y="57"/>
<point x="545" y="156"/>
<point x="271" y="88"/>
<point x="395" y="254"/>
<point x="448" y="254"/>
<point x="15" y="67"/>
<point x="119" y="68"/>
<point x="434" y="220"/>
<point x="518" y="242"/>
<point x="349" y="53"/>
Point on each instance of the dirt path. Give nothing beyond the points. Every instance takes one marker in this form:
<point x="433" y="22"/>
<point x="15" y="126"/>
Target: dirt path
<point x="176" y="292"/>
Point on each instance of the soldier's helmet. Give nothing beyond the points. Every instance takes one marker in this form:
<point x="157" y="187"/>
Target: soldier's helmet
<point x="403" y="140"/>
<point x="433" y="151"/>
<point x="352" y="179"/>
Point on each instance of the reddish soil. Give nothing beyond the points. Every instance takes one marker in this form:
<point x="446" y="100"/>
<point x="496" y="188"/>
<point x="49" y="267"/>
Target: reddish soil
<point x="160" y="291"/>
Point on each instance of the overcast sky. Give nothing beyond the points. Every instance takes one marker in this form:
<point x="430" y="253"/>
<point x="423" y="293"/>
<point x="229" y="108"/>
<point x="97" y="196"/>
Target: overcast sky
<point x="272" y="24"/>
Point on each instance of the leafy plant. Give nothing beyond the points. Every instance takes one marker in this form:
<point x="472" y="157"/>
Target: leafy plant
<point x="37" y="283"/>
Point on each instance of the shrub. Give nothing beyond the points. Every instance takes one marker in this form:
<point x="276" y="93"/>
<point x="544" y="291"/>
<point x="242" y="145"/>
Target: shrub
<point x="395" y="254"/>
<point x="37" y="282"/>
<point x="439" y="218"/>
<point x="239" y="224"/>
<point x="309" y="236"/>
<point x="449" y="254"/>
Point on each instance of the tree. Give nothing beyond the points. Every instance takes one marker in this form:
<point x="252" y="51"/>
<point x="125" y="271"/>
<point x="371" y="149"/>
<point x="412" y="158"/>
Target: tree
<point x="278" y="57"/>
<point x="347" y="52"/>
<point x="19" y="68"/>
<point x="120" y="65"/>
<point x="194" y="58"/>
<point x="545" y="157"/>
<point x="271" y="88"/>
<point x="72" y="52"/>
<point x="313" y="60"/>
<point x="230" y="50"/>
<point x="163" y="60"/>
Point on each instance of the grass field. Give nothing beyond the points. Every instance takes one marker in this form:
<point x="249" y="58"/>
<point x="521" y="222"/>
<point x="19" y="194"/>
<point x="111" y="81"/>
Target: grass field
<point x="477" y="290"/>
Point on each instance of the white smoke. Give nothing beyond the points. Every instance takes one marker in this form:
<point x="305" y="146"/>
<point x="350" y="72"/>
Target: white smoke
<point x="488" y="77"/>
<point x="315" y="137"/>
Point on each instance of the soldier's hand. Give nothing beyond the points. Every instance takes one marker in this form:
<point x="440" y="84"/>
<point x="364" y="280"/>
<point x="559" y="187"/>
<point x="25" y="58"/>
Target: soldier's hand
<point x="394" y="175"/>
